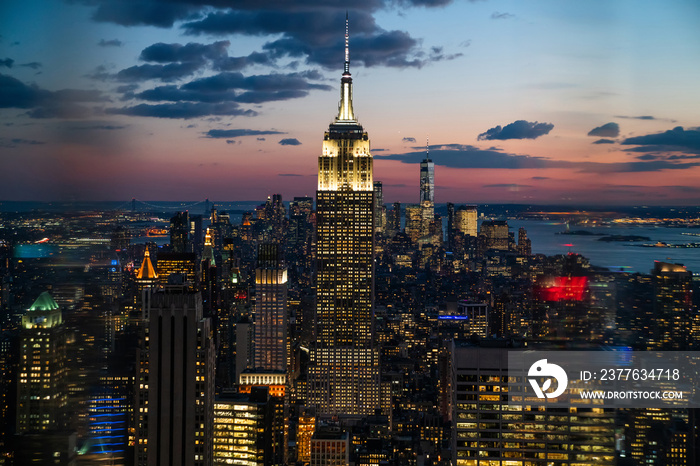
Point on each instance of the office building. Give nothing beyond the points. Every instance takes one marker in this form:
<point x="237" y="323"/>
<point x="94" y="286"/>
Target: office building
<point x="343" y="372"/>
<point x="330" y="447"/>
<point x="379" y="211"/>
<point x="271" y="314"/>
<point x="175" y="383"/>
<point x="488" y="430"/>
<point x="175" y="263"/>
<point x="427" y="179"/>
<point x="465" y="220"/>
<point x="673" y="308"/>
<point x="414" y="222"/>
<point x="41" y="390"/>
<point x="494" y="235"/>
<point x="42" y="398"/>
<point x="249" y="429"/>
<point x="179" y="232"/>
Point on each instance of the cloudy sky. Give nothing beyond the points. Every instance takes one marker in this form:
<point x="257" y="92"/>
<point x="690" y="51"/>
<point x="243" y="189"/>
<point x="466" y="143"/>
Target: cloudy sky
<point x="544" y="101"/>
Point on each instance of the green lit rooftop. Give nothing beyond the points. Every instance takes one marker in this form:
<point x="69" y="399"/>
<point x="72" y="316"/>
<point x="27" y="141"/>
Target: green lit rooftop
<point x="44" y="303"/>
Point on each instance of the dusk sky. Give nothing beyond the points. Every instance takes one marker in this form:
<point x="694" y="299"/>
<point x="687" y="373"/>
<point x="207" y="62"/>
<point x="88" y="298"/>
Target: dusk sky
<point x="541" y="101"/>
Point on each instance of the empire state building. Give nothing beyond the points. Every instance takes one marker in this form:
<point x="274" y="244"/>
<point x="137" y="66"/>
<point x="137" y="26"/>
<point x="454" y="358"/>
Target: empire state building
<point x="344" y="371"/>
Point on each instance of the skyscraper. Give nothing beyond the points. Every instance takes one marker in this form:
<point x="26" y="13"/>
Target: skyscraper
<point x="673" y="308"/>
<point x="427" y="179"/>
<point x="179" y="232"/>
<point x="270" y="342"/>
<point x="427" y="194"/>
<point x="344" y="375"/>
<point x="378" y="207"/>
<point x="175" y="385"/>
<point x="41" y="390"/>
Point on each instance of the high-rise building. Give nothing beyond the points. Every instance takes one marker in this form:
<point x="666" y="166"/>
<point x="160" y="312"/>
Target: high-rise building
<point x="179" y="232"/>
<point x="524" y="243"/>
<point x="379" y="212"/>
<point x="396" y="219"/>
<point x="414" y="222"/>
<point x="305" y="431"/>
<point x="344" y="374"/>
<point x="490" y="430"/>
<point x="175" y="383"/>
<point x="427" y="196"/>
<point x="42" y="436"/>
<point x="177" y="263"/>
<point x="494" y="235"/>
<point x="330" y="447"/>
<point x="673" y="308"/>
<point x="465" y="220"/>
<point x="270" y="344"/>
<point x="41" y="391"/>
<point x="427" y="179"/>
<point x="249" y="429"/>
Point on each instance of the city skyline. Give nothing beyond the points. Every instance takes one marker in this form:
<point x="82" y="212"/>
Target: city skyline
<point x="544" y="103"/>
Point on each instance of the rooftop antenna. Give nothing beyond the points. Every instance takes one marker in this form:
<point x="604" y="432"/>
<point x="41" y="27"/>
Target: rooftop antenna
<point x="347" y="45"/>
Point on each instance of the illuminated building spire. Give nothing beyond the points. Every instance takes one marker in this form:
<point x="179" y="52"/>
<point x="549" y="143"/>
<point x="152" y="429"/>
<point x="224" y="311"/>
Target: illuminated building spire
<point x="427" y="148"/>
<point x="345" y="112"/>
<point x="346" y="70"/>
<point x="208" y="253"/>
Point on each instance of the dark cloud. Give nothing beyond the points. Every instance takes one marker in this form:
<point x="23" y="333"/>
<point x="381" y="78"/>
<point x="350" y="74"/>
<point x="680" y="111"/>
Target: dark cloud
<point x="313" y="35"/>
<point x="144" y="12"/>
<point x="100" y="127"/>
<point x="127" y="88"/>
<point x="289" y="142"/>
<point x="35" y="65"/>
<point x="519" y="129"/>
<point x="603" y="141"/>
<point x="677" y="139"/>
<point x="642" y="117"/>
<point x="685" y="189"/>
<point x="191" y="52"/>
<point x="239" y="63"/>
<point x="497" y="15"/>
<point x="537" y="178"/>
<point x="11" y="143"/>
<point x="110" y="43"/>
<point x="507" y="186"/>
<point x="184" y="110"/>
<point x="234" y="133"/>
<point x="176" y="94"/>
<point x="46" y="104"/>
<point x="16" y="94"/>
<point x="165" y="14"/>
<point x="289" y="174"/>
<point x="413" y="140"/>
<point x="167" y="73"/>
<point x="224" y="86"/>
<point x="312" y="27"/>
<point x="7" y="62"/>
<point x="467" y="156"/>
<point x="269" y="83"/>
<point x="259" y="139"/>
<point x="608" y="130"/>
<point x="170" y="62"/>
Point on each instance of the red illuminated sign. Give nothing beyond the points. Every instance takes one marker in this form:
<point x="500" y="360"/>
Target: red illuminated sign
<point x="562" y="288"/>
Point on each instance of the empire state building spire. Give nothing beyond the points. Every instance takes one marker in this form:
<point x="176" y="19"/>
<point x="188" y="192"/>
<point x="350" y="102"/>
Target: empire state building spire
<point x="345" y="112"/>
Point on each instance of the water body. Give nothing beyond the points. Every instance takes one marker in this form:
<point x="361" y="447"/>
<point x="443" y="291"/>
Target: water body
<point x="614" y="255"/>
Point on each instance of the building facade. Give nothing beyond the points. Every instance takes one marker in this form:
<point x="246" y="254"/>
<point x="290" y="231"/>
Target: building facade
<point x="344" y="374"/>
<point x="175" y="384"/>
